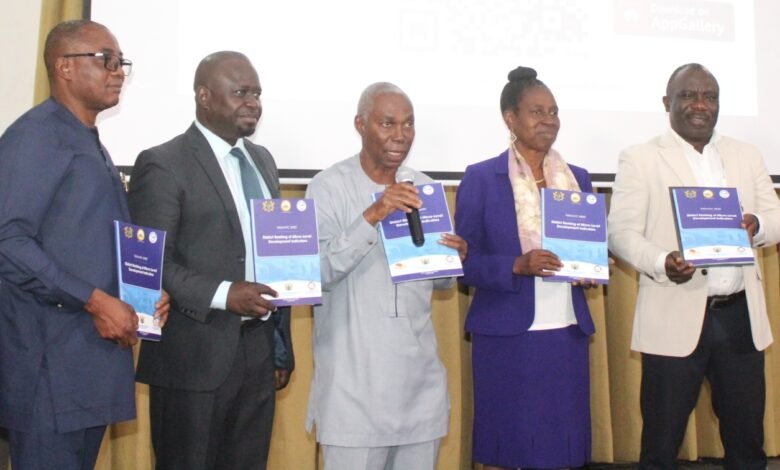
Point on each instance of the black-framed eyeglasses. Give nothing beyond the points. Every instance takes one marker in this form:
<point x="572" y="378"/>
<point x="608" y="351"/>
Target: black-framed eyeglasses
<point x="110" y="61"/>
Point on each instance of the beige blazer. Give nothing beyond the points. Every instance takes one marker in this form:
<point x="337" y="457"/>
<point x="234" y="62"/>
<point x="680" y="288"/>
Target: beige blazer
<point x="668" y="317"/>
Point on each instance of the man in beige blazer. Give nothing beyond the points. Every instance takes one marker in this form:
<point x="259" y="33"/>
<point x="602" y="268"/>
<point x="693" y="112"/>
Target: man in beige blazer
<point x="694" y="323"/>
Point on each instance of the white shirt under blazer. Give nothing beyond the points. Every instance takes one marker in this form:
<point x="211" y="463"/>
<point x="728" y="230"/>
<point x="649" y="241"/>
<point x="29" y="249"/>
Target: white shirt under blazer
<point x="668" y="317"/>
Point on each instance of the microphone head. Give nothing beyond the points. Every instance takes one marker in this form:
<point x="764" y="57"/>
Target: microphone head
<point x="404" y="175"/>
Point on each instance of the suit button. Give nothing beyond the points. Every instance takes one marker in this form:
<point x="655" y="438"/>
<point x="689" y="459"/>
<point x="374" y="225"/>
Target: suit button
<point x="59" y="305"/>
<point x="704" y="272"/>
<point x="240" y="259"/>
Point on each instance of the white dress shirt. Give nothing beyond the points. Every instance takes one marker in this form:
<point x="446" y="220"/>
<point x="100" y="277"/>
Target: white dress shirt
<point x="232" y="172"/>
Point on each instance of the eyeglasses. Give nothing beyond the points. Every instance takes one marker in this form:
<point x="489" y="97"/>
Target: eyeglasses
<point x="110" y="61"/>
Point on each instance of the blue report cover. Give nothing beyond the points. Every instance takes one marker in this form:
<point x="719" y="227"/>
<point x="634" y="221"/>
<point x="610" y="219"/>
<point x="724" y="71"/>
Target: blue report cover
<point x="287" y="250"/>
<point x="709" y="226"/>
<point x="574" y="227"/>
<point x="140" y="262"/>
<point x="432" y="260"/>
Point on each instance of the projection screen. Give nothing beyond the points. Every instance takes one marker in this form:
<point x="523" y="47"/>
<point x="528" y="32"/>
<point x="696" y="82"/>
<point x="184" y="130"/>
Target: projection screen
<point x="606" y="61"/>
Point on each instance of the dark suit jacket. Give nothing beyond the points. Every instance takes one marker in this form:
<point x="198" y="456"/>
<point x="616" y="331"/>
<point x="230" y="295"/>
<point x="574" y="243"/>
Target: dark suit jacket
<point x="59" y="196"/>
<point x="503" y="304"/>
<point x="179" y="187"/>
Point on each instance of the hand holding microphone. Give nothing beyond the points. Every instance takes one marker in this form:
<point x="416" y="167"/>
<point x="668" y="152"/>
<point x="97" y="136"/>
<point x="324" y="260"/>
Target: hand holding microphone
<point x="402" y="196"/>
<point x="404" y="175"/>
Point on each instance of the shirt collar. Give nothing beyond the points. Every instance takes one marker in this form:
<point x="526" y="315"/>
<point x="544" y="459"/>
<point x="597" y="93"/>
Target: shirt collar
<point x="713" y="140"/>
<point x="217" y="143"/>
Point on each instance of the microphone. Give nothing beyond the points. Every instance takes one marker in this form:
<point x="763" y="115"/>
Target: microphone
<point x="405" y="175"/>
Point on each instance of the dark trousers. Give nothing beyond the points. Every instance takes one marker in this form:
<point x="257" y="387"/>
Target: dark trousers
<point x="670" y="388"/>
<point x="229" y="428"/>
<point x="42" y="447"/>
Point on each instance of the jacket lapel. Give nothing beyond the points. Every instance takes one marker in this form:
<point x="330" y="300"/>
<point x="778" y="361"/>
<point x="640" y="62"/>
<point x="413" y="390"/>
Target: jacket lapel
<point x="504" y="215"/>
<point x="501" y="169"/>
<point x="674" y="157"/>
<point x="204" y="156"/>
<point x="731" y="167"/>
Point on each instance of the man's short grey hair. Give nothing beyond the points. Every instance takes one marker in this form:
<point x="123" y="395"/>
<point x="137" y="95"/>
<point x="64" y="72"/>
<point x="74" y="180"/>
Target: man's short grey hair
<point x="366" y="102"/>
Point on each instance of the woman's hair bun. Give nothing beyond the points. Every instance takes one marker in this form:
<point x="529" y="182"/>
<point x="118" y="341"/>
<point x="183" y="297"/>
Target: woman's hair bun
<point x="521" y="73"/>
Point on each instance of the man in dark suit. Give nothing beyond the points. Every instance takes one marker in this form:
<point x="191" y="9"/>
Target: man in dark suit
<point x="213" y="376"/>
<point x="65" y="367"/>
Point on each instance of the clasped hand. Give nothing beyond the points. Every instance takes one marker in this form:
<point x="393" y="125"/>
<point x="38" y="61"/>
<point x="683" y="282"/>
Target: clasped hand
<point x="397" y="196"/>
<point x="247" y="298"/>
<point x="677" y="269"/>
<point x="544" y="263"/>
<point x="117" y="321"/>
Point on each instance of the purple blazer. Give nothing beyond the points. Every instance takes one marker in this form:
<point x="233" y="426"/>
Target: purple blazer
<point x="503" y="304"/>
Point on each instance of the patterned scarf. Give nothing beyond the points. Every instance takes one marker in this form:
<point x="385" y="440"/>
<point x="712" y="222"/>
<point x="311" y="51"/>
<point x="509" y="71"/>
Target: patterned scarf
<point x="528" y="206"/>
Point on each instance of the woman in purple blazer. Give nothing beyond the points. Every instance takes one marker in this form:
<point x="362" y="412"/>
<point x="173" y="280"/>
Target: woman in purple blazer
<point x="529" y="338"/>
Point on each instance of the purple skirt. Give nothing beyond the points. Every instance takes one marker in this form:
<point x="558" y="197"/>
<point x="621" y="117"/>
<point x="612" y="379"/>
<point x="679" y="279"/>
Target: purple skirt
<point x="532" y="399"/>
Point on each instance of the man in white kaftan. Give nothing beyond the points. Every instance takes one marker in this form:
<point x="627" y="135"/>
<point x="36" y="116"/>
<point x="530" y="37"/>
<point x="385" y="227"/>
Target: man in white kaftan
<point x="379" y="394"/>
